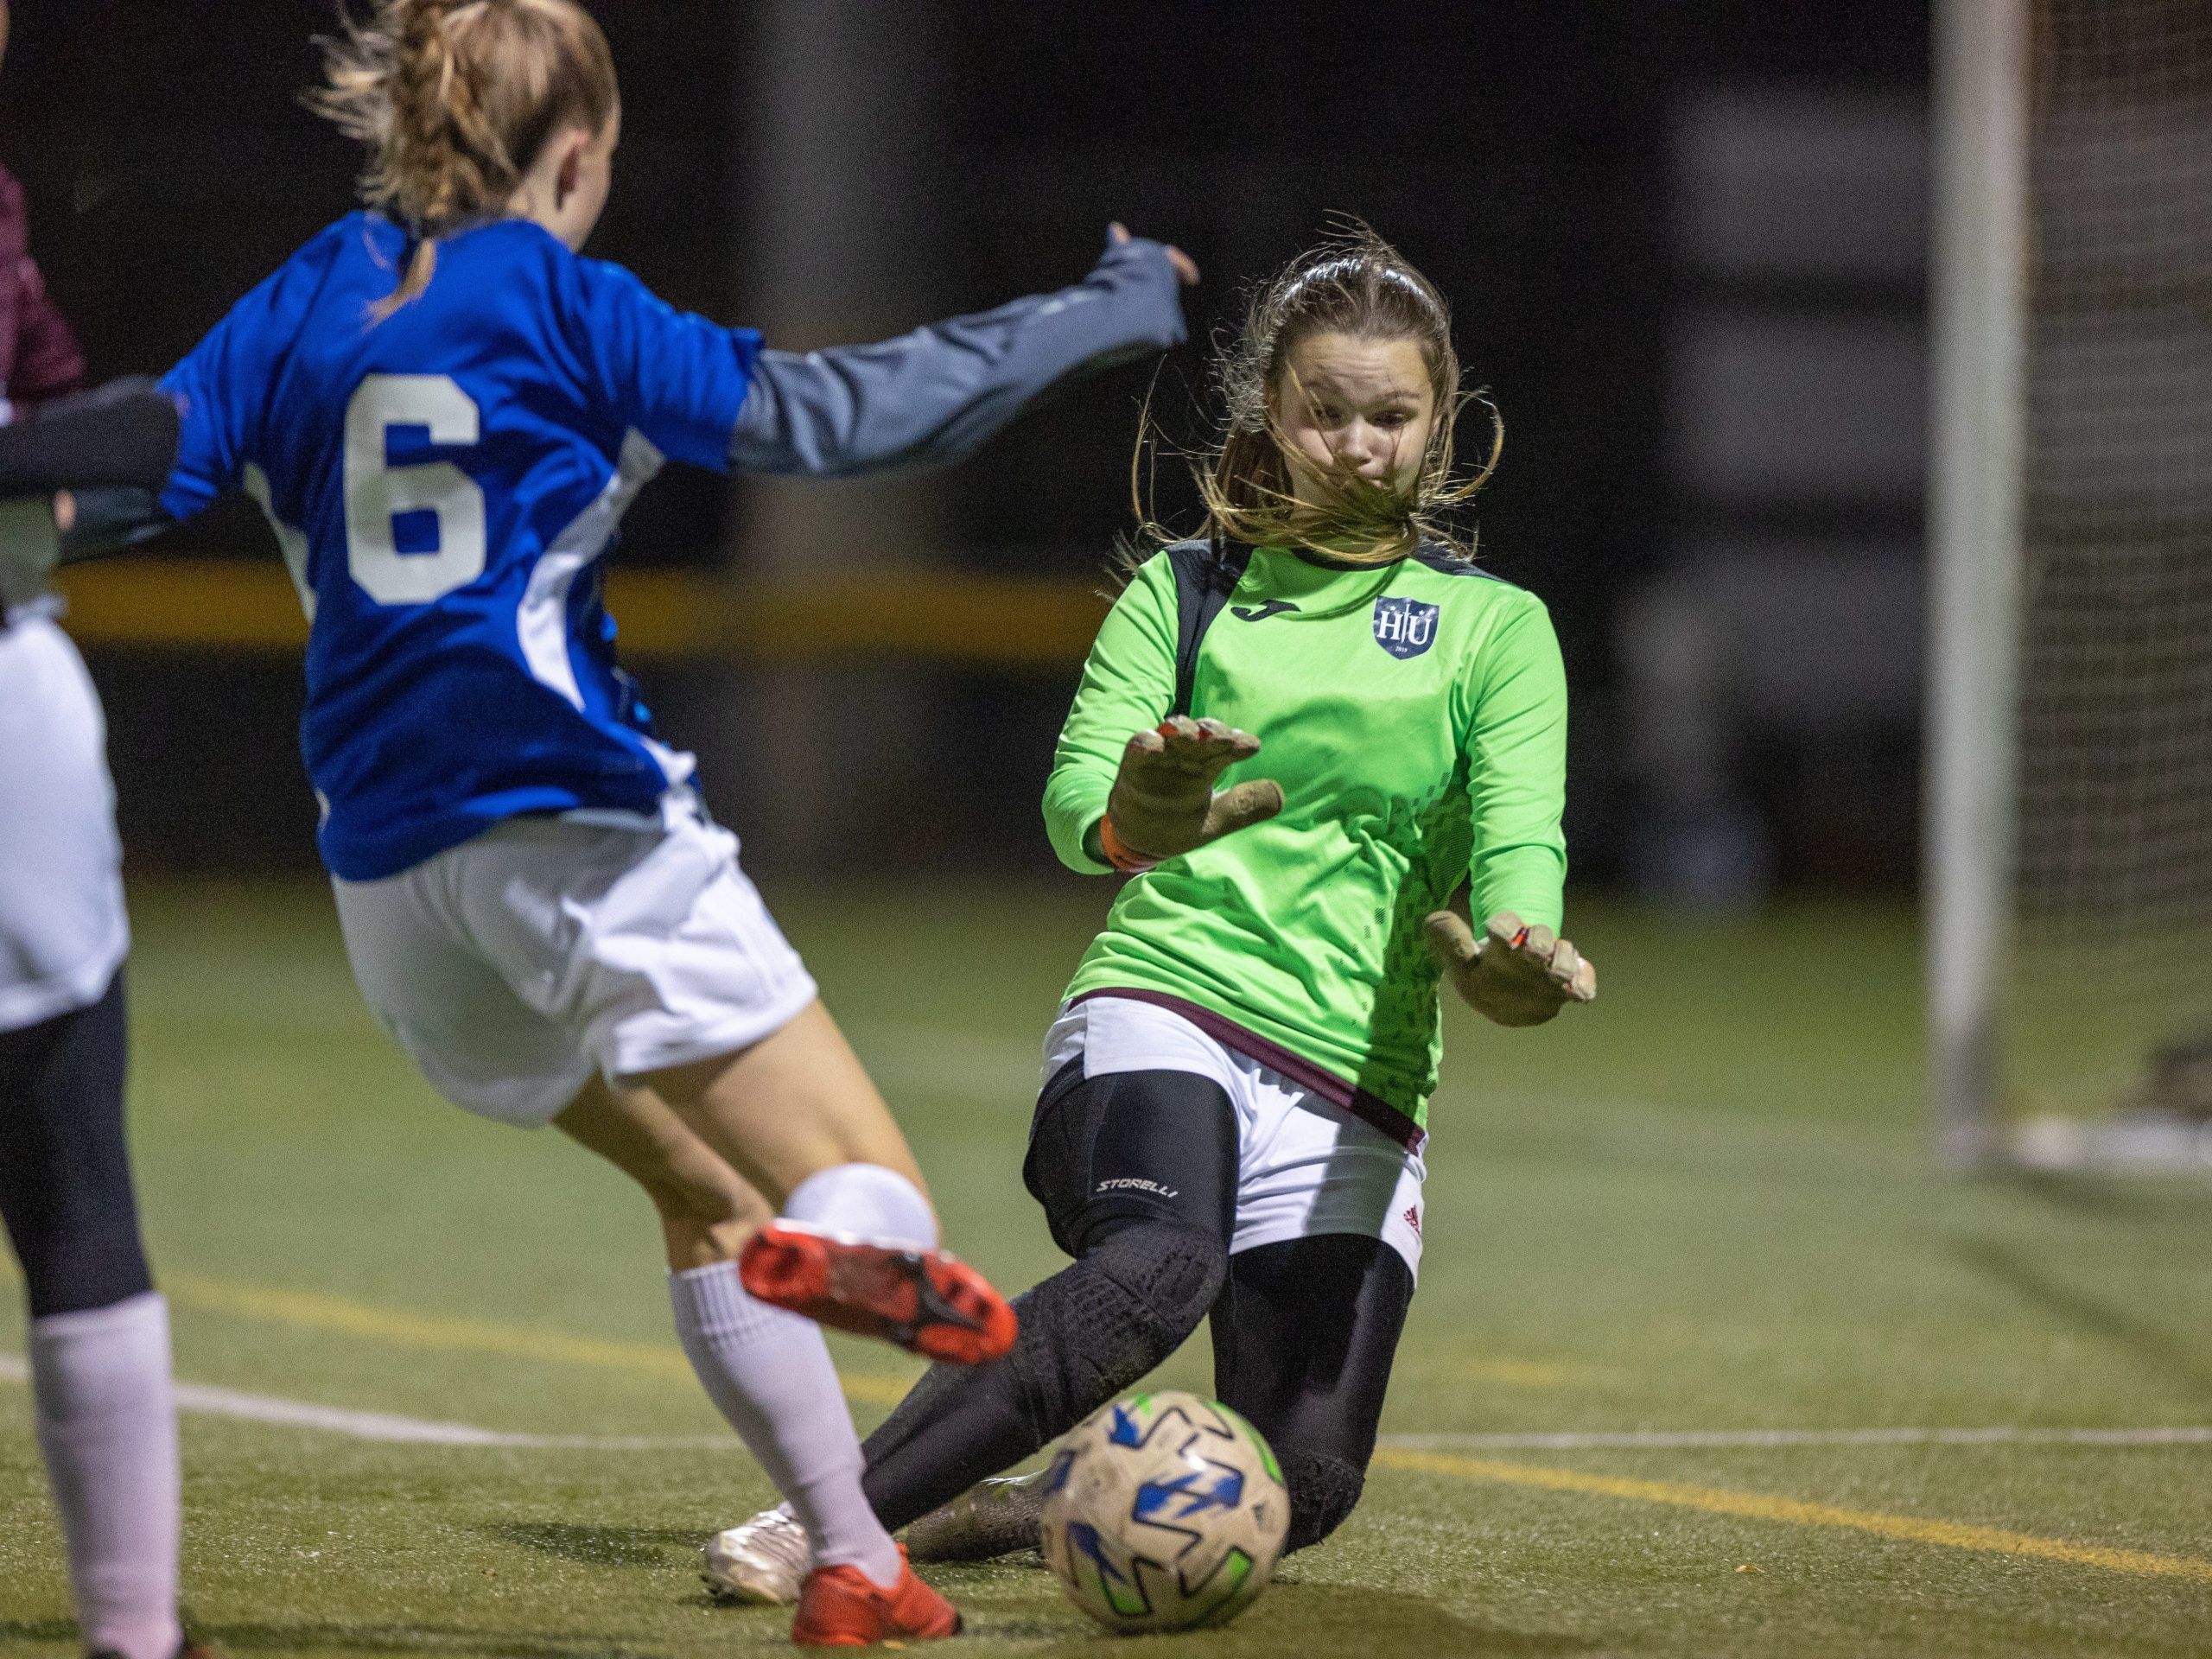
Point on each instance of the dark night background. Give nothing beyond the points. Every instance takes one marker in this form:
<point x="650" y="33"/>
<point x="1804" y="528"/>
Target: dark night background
<point x="1552" y="166"/>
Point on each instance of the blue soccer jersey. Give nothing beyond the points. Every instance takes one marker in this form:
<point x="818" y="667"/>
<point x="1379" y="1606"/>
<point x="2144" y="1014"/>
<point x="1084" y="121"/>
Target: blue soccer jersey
<point x="445" y="476"/>
<point x="444" y="481"/>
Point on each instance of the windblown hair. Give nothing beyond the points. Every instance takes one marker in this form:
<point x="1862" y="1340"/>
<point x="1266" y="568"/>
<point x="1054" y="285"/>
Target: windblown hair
<point x="454" y="100"/>
<point x="1356" y="284"/>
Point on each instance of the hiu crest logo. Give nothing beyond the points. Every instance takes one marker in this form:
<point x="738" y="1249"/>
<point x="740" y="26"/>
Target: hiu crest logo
<point x="1404" y="628"/>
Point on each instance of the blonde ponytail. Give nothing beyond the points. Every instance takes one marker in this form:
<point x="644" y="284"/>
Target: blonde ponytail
<point x="454" y="100"/>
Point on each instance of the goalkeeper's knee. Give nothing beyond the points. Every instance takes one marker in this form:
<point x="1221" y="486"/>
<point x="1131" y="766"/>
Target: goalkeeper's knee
<point x="1170" y="1273"/>
<point x="1133" y="1299"/>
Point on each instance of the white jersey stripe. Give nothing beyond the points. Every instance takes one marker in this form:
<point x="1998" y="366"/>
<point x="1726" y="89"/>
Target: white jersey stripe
<point x="292" y="542"/>
<point x="542" y="620"/>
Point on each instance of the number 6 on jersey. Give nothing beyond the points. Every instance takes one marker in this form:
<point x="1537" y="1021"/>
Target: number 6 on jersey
<point x="377" y="493"/>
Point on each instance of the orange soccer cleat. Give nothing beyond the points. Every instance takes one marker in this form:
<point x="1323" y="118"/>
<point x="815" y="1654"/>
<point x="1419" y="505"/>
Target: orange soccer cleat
<point x="926" y="1301"/>
<point x="841" y="1607"/>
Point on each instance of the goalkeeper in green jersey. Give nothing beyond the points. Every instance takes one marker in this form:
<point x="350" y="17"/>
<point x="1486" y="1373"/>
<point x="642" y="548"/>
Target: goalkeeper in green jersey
<point x="1303" y="737"/>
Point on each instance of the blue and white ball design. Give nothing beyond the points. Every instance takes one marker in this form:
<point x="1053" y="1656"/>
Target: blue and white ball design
<point x="1164" y="1512"/>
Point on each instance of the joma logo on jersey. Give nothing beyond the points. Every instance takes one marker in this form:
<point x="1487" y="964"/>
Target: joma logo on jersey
<point x="1404" y="628"/>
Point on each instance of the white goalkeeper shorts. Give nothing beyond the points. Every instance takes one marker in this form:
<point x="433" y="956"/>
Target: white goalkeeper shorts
<point x="513" y="966"/>
<point x="1306" y="1166"/>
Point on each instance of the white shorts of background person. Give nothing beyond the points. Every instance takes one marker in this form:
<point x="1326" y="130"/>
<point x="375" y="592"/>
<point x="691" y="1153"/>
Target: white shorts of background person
<point x="1306" y="1166"/>
<point x="62" y="930"/>
<point x="512" y="966"/>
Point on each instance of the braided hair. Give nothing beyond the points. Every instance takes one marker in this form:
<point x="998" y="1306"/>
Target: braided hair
<point x="454" y="100"/>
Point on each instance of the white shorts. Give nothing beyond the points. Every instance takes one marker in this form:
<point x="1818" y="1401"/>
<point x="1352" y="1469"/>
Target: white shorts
<point x="1306" y="1166"/>
<point x="513" y="966"/>
<point x="62" y="930"/>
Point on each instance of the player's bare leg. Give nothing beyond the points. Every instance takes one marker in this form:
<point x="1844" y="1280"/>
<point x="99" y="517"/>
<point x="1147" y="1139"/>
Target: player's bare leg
<point x="854" y="1243"/>
<point x="707" y="1209"/>
<point x="796" y="1103"/>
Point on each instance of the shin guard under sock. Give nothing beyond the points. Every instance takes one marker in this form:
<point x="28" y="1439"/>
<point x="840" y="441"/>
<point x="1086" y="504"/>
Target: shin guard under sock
<point x="769" y="1374"/>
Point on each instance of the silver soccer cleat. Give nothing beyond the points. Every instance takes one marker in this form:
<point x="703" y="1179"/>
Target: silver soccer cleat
<point x="762" y="1563"/>
<point x="997" y="1517"/>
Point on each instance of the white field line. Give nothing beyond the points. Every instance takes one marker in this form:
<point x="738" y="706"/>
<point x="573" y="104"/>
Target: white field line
<point x="1751" y="1439"/>
<point x="198" y="1397"/>
<point x="391" y="1429"/>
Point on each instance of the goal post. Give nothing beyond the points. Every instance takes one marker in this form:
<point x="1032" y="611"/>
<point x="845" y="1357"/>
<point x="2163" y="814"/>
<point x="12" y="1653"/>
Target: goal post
<point x="2068" y="783"/>
<point x="1978" y="395"/>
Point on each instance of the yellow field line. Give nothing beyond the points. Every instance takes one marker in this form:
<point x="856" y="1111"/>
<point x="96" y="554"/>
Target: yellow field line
<point x="240" y="605"/>
<point x="314" y="1311"/>
<point x="1763" y="1506"/>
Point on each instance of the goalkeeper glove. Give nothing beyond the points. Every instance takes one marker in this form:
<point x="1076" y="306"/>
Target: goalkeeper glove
<point x="1516" y="976"/>
<point x="1164" y="802"/>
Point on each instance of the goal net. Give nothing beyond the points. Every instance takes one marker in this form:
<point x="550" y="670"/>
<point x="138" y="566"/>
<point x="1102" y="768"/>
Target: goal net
<point x="2108" y="998"/>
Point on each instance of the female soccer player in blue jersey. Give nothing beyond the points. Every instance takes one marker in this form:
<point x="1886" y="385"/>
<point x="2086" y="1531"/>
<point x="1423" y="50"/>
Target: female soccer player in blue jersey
<point x="445" y="411"/>
<point x="1236" y="1091"/>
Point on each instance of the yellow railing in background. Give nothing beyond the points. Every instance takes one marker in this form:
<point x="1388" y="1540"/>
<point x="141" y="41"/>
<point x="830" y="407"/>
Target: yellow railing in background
<point x="910" y="612"/>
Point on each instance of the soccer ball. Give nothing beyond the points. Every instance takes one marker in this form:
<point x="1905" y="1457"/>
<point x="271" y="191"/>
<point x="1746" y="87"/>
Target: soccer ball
<point x="1164" y="1512"/>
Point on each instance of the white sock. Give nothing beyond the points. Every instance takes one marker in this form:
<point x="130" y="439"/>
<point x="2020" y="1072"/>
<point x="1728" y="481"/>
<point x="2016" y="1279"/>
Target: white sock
<point x="866" y="1201"/>
<point x="107" y="1427"/>
<point x="769" y="1372"/>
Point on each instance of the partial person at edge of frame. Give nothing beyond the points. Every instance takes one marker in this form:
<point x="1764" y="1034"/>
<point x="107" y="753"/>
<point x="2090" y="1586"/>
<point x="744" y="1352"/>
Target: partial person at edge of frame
<point x="103" y="1403"/>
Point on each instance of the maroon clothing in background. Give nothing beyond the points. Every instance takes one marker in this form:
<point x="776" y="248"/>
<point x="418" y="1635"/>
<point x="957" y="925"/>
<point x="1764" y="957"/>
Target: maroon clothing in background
<point x="39" y="357"/>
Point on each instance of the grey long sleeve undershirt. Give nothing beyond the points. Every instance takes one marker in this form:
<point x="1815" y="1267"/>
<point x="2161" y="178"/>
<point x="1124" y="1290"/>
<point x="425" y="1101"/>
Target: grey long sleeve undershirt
<point x="927" y="399"/>
<point x="932" y="396"/>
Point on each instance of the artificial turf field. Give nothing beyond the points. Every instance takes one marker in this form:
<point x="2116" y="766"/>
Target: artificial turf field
<point x="1701" y="1206"/>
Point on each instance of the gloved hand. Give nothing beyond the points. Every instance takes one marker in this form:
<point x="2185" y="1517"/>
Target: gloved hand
<point x="1164" y="802"/>
<point x="1516" y="976"/>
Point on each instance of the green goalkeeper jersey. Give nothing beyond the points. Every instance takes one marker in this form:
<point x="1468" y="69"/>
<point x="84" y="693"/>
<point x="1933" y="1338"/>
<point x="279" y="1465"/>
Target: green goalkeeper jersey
<point x="1415" y="716"/>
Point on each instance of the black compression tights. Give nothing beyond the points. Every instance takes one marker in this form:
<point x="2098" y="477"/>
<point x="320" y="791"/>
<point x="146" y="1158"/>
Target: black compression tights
<point x="1136" y="1171"/>
<point x="65" y="1170"/>
<point x="1304" y="1333"/>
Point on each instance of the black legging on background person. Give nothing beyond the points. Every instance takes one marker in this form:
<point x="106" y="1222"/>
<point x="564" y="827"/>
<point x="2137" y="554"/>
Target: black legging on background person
<point x="64" y="1169"/>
